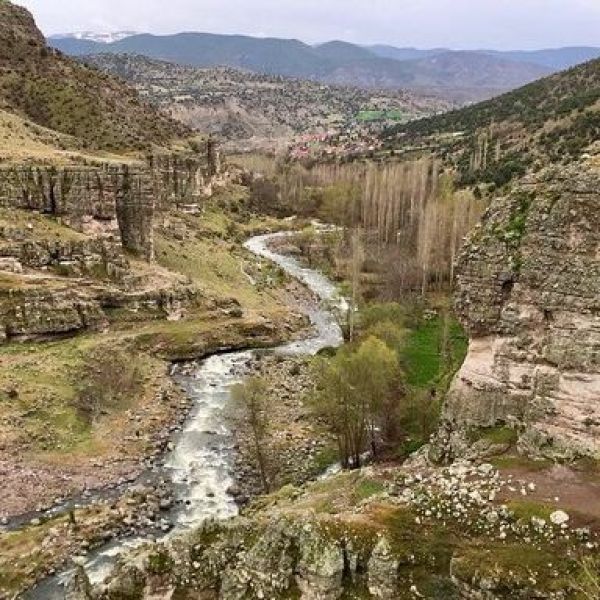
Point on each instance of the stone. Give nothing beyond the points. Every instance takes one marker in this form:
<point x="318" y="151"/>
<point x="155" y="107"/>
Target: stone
<point x="528" y="282"/>
<point x="10" y="264"/>
<point x="78" y="586"/>
<point x="559" y="517"/>
<point x="383" y="571"/>
<point x="320" y="568"/>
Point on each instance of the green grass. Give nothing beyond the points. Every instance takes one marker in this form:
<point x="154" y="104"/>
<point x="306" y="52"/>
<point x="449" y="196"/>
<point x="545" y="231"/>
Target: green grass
<point x="517" y="563"/>
<point x="39" y="391"/>
<point x="495" y="435"/>
<point x="521" y="463"/>
<point x="215" y="262"/>
<point x="423" y="355"/>
<point x="368" y="116"/>
<point x="42" y="227"/>
<point x="524" y="510"/>
<point x="367" y="488"/>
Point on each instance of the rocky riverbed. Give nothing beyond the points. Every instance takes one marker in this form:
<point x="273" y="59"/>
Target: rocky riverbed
<point x="297" y="446"/>
<point x="198" y="456"/>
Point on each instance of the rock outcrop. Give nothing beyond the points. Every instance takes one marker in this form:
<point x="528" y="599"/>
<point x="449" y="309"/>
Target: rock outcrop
<point x="65" y="234"/>
<point x="121" y="198"/>
<point x="280" y="558"/>
<point x="529" y="296"/>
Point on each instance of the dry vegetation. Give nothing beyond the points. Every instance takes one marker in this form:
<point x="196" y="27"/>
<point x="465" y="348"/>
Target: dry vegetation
<point x="58" y="93"/>
<point x="414" y="220"/>
<point x="553" y="120"/>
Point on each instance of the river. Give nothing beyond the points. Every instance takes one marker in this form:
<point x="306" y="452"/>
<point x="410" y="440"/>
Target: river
<point x="201" y="461"/>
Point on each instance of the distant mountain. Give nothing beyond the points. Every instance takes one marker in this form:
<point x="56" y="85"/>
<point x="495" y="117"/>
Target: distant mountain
<point x="556" y="59"/>
<point x="469" y="69"/>
<point x="405" y="53"/>
<point x="474" y="74"/>
<point x="342" y="52"/>
<point x="555" y="119"/>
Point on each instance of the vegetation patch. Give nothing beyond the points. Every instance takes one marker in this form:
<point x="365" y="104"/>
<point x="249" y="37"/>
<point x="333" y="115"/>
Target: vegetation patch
<point x="518" y="462"/>
<point x="525" y="510"/>
<point x="368" y="116"/>
<point x="495" y="435"/>
<point x="434" y="350"/>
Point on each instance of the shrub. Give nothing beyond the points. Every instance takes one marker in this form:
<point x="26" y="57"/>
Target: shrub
<point x="109" y="380"/>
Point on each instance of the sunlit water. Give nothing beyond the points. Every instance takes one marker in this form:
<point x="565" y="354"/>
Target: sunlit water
<point x="200" y="464"/>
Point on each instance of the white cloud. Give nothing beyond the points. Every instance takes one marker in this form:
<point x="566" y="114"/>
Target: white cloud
<point x="424" y="23"/>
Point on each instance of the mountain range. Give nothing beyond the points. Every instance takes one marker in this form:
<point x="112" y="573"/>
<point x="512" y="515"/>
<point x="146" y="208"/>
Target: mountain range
<point x="460" y="75"/>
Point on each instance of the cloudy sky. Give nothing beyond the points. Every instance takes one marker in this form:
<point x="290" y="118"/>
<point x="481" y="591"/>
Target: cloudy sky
<point x="423" y="23"/>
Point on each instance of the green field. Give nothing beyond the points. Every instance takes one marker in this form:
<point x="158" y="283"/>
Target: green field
<point x="430" y="359"/>
<point x="368" y="116"/>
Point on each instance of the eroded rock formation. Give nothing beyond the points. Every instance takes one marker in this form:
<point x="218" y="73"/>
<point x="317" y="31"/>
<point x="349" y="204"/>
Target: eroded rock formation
<point x="69" y="273"/>
<point x="529" y="295"/>
<point x="121" y="198"/>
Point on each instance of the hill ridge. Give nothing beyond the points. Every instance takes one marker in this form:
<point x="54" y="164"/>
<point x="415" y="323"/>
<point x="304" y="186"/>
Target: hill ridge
<point x="40" y="84"/>
<point x="332" y="62"/>
<point x="553" y="120"/>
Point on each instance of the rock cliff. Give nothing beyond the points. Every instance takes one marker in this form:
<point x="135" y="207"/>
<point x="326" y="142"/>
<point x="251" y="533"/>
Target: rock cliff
<point x="120" y="198"/>
<point x="63" y="233"/>
<point x="528" y="292"/>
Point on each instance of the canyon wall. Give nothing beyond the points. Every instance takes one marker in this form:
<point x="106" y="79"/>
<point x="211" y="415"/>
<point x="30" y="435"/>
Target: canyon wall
<point x="119" y="198"/>
<point x="69" y="273"/>
<point x="528" y="293"/>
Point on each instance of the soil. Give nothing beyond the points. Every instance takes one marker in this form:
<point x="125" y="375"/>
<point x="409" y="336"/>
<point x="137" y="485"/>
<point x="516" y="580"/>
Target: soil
<point x="568" y="488"/>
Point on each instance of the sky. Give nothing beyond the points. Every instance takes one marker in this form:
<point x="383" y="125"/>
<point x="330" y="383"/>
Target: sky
<point x="459" y="24"/>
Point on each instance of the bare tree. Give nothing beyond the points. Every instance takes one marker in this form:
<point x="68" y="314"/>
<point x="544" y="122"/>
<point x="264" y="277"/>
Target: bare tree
<point x="250" y="396"/>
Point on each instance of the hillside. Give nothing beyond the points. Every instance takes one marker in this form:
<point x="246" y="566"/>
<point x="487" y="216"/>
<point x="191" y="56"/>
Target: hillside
<point x="22" y="140"/>
<point x="248" y="108"/>
<point x="549" y="121"/>
<point x="55" y="92"/>
<point x="334" y="62"/>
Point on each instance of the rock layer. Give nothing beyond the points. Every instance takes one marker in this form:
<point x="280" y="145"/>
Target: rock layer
<point x="528" y="293"/>
<point x="107" y="197"/>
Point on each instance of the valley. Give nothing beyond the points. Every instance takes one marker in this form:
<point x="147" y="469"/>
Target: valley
<point x="250" y="111"/>
<point x="285" y="320"/>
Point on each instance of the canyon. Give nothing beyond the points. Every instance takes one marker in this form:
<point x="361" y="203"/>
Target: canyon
<point x="363" y="366"/>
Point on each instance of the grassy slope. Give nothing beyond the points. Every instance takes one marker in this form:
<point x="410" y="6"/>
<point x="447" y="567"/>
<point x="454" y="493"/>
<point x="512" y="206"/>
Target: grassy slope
<point x="551" y="120"/>
<point x="61" y="94"/>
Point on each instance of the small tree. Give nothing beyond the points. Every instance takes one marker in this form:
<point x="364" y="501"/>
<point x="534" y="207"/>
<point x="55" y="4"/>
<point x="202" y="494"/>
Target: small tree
<point x="355" y="390"/>
<point x="250" y="397"/>
<point x="306" y="240"/>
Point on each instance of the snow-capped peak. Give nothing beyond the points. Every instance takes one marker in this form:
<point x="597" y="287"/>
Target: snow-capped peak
<point x="92" y="36"/>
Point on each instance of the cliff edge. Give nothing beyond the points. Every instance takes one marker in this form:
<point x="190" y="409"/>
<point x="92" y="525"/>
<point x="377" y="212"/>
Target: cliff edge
<point x="528" y="293"/>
